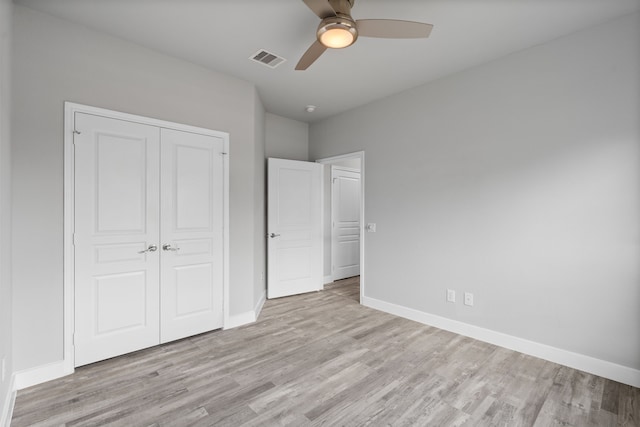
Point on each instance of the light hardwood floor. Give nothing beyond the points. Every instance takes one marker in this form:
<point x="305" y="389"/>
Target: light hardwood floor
<point x="322" y="359"/>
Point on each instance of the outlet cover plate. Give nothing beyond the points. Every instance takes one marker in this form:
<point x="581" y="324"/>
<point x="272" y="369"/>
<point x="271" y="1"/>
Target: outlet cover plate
<point x="468" y="299"/>
<point x="451" y="295"/>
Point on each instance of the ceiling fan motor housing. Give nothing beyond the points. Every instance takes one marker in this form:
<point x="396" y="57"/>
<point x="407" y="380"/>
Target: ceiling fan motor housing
<point x="341" y="6"/>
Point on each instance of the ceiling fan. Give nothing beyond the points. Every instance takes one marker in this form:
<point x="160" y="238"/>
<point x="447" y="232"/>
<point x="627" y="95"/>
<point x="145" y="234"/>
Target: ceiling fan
<point x="338" y="29"/>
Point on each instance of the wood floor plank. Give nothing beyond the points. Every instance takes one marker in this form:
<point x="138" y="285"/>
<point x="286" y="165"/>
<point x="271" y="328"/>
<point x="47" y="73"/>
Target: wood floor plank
<point x="629" y="406"/>
<point x="321" y="359"/>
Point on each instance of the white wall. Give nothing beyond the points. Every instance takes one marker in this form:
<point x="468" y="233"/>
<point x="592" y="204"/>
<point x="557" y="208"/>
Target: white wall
<point x="57" y="61"/>
<point x="286" y="138"/>
<point x="517" y="180"/>
<point x="5" y="205"/>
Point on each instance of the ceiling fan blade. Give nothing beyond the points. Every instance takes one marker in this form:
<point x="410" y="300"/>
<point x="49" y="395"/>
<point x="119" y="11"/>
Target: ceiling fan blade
<point x="393" y="29"/>
<point x="311" y="55"/>
<point x="322" y="8"/>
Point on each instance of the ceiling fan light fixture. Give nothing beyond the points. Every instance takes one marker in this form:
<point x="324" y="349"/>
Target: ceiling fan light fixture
<point x="337" y="32"/>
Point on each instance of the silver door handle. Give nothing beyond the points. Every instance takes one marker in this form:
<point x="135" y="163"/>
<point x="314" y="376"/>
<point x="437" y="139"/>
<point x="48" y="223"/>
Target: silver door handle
<point x="151" y="248"/>
<point x="167" y="247"/>
<point x="272" y="235"/>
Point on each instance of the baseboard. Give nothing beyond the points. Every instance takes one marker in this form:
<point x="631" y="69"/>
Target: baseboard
<point x="6" y="410"/>
<point x="602" y="368"/>
<point x="327" y="279"/>
<point x="40" y="374"/>
<point x="258" y="308"/>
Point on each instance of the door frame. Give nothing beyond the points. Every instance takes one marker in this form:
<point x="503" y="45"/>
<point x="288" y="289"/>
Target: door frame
<point x="70" y="108"/>
<point x="337" y="159"/>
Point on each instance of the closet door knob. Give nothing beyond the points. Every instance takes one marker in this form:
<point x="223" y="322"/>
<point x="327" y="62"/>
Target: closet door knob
<point x="151" y="248"/>
<point x="167" y="247"/>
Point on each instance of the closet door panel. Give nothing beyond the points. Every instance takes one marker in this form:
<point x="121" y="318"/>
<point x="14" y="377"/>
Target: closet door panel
<point x="116" y="222"/>
<point x="192" y="234"/>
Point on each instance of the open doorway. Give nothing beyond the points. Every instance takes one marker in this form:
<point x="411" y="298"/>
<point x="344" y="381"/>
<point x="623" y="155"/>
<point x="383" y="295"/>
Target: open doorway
<point x="343" y="219"/>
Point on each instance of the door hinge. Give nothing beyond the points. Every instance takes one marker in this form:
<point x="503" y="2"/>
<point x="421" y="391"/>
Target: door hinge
<point x="333" y="181"/>
<point x="73" y="338"/>
<point x="74" y="239"/>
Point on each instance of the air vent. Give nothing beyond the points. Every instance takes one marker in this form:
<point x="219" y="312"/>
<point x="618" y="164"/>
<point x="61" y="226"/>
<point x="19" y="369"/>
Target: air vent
<point x="269" y="59"/>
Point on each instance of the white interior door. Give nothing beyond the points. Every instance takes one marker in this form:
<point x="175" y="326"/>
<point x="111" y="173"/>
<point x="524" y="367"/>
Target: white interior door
<point x="192" y="182"/>
<point x="345" y="215"/>
<point x="294" y="227"/>
<point x="116" y="237"/>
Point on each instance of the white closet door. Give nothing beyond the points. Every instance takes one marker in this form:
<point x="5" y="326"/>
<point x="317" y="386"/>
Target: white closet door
<point x="116" y="231"/>
<point x="192" y="182"/>
<point x="345" y="216"/>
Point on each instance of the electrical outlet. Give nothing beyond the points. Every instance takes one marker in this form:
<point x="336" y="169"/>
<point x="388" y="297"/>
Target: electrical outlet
<point x="468" y="298"/>
<point x="451" y="295"/>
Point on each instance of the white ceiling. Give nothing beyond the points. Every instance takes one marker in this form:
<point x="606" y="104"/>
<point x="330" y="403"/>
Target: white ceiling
<point x="222" y="34"/>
